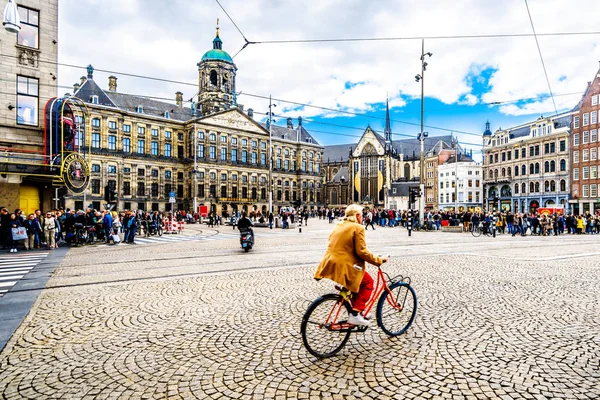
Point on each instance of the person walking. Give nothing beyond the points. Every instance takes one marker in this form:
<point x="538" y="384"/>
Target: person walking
<point x="369" y="220"/>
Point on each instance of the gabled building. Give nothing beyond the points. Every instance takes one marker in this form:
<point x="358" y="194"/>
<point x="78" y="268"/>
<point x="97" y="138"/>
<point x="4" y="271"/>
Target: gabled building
<point x="460" y="184"/>
<point x="585" y="149"/>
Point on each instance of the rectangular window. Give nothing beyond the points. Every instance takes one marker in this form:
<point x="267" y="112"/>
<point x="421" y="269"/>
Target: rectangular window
<point x="593" y="154"/>
<point x="563" y="145"/>
<point x="212" y="137"/>
<point x="95" y="167"/>
<point x="30" y="30"/>
<point x="126" y="145"/>
<point x="586" y="119"/>
<point x="223" y="139"/>
<point x="112" y="125"/>
<point x="286" y="165"/>
<point x="154" y="148"/>
<point x="531" y="150"/>
<point x="201" y="151"/>
<point x="140" y="146"/>
<point x="167" y="174"/>
<point x="223" y="177"/>
<point x="595" y="100"/>
<point x="111" y="169"/>
<point x="96" y="186"/>
<point x="212" y="152"/>
<point x="586" y="155"/>
<point x="537" y="150"/>
<point x="234" y="154"/>
<point x="167" y="149"/>
<point x="585" y="191"/>
<point x="585" y="137"/>
<point x="303" y="165"/>
<point x="586" y="173"/>
<point x="509" y="155"/>
<point x="503" y="156"/>
<point x="154" y="173"/>
<point x="593" y="172"/>
<point x="27" y="100"/>
<point x="552" y="148"/>
<point x="576" y="139"/>
<point x="141" y="189"/>
<point x="112" y="142"/>
<point x="244" y="142"/>
<point x="155" y="132"/>
<point x="167" y="134"/>
<point x="593" y="192"/>
<point x="575" y="122"/>
<point x="263" y="158"/>
<point x="234" y="140"/>
<point x="141" y="172"/>
<point x="546" y="148"/>
<point x="96" y="140"/>
<point x="575" y="174"/>
<point x="154" y="189"/>
<point x="254" y="157"/>
<point x="126" y="128"/>
<point x="576" y="156"/>
<point x="254" y="144"/>
<point x="593" y="136"/>
<point x="594" y="117"/>
<point x="96" y="122"/>
<point x="126" y="188"/>
<point x="523" y="152"/>
<point x="141" y="130"/>
<point x="244" y="156"/>
<point x="223" y="153"/>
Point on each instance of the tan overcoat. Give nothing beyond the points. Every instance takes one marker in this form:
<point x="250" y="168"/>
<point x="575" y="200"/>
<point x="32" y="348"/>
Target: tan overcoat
<point x="347" y="247"/>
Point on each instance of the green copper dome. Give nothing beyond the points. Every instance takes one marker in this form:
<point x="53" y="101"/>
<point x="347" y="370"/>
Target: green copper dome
<point x="216" y="54"/>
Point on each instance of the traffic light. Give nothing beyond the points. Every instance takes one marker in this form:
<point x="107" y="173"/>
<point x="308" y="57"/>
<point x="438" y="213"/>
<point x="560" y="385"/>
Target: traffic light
<point x="107" y="193"/>
<point x="411" y="197"/>
<point x="297" y="203"/>
<point x="113" y="195"/>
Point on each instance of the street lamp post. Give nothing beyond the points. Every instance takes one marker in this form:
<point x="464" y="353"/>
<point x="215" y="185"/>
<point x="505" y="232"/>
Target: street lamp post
<point x="271" y="156"/>
<point x="342" y="196"/>
<point x="423" y="134"/>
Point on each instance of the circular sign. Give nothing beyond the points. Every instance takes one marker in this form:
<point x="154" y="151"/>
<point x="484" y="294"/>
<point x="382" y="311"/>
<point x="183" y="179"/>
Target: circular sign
<point x="75" y="173"/>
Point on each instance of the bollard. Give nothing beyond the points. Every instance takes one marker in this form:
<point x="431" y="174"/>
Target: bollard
<point x="299" y="226"/>
<point x="409" y="222"/>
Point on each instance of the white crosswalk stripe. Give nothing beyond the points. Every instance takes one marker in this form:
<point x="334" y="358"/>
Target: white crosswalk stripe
<point x="14" y="267"/>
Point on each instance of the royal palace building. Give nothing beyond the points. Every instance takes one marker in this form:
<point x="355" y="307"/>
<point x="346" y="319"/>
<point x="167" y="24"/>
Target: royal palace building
<point x="155" y="155"/>
<point x="527" y="167"/>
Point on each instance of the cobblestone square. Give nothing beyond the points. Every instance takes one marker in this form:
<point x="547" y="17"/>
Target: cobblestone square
<point x="505" y="318"/>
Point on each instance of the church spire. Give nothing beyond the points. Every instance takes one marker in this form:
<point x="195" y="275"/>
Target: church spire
<point x="388" y="128"/>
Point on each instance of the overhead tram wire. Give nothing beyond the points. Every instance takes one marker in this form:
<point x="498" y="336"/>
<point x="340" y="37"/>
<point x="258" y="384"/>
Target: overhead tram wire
<point x="247" y="42"/>
<point x="541" y="57"/>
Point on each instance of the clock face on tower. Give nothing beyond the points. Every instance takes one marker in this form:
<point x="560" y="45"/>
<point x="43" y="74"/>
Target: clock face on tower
<point x="75" y="173"/>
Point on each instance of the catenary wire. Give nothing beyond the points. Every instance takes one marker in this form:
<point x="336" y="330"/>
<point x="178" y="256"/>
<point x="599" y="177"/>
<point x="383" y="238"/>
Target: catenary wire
<point x="541" y="57"/>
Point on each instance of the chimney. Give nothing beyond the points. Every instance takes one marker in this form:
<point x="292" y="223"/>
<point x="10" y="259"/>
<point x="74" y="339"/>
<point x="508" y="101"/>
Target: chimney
<point x="299" y="121"/>
<point x="76" y="87"/>
<point x="112" y="83"/>
<point x="82" y="80"/>
<point x="290" y="125"/>
<point x="251" y="113"/>
<point x="179" y="99"/>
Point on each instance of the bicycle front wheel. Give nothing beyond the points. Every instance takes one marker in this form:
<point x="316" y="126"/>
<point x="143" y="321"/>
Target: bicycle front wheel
<point x="397" y="309"/>
<point x="323" y="326"/>
<point x="476" y="231"/>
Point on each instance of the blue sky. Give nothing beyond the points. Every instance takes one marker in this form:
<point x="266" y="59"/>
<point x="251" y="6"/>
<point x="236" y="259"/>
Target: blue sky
<point x="143" y="37"/>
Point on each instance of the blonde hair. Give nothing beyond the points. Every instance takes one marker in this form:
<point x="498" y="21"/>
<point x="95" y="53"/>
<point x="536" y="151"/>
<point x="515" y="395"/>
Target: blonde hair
<point x="351" y="212"/>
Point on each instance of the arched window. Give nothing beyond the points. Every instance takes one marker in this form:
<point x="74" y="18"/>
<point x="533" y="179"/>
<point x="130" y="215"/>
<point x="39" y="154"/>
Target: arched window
<point x="523" y="169"/>
<point x="531" y="187"/>
<point x="503" y="172"/>
<point x="516" y="188"/>
<point x="213" y="77"/>
<point x="407" y="171"/>
<point x="563" y="165"/>
<point x="546" y="166"/>
<point x="552" y="166"/>
<point x="495" y="173"/>
<point x="546" y="186"/>
<point x="516" y="170"/>
<point x="523" y="188"/>
<point x="531" y="169"/>
<point x="537" y="168"/>
<point x="563" y="185"/>
<point x="553" y="186"/>
<point x="537" y="187"/>
<point x="509" y="171"/>
<point x="505" y="191"/>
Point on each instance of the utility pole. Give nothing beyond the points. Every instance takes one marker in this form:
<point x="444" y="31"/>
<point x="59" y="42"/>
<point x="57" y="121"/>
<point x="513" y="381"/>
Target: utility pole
<point x="423" y="134"/>
<point x="455" y="145"/>
<point x="195" y="168"/>
<point x="270" y="156"/>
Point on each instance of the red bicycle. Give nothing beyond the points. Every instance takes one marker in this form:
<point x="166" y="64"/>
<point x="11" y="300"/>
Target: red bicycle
<point x="325" y="329"/>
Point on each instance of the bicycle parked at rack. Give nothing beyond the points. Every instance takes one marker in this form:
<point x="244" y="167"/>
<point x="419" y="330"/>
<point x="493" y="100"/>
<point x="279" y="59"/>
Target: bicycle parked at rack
<point x="325" y="329"/>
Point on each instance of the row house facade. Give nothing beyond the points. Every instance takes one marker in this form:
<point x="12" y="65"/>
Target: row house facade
<point x="151" y="151"/>
<point x="527" y="167"/>
<point x="585" y="149"/>
<point x="460" y="184"/>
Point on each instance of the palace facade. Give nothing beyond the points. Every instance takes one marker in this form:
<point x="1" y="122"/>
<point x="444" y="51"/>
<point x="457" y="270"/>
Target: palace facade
<point x="163" y="156"/>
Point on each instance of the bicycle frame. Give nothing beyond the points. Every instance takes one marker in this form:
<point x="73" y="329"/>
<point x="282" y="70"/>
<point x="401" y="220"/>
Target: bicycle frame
<point x="380" y="286"/>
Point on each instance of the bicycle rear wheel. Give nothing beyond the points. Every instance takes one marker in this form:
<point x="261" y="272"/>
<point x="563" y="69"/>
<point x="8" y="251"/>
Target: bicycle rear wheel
<point x="323" y="330"/>
<point x="476" y="231"/>
<point x="396" y="312"/>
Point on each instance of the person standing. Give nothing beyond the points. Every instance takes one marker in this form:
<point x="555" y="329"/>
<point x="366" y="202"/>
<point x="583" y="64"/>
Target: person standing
<point x="270" y="220"/>
<point x="14" y="222"/>
<point x="50" y="231"/>
<point x="131" y="226"/>
<point x="107" y="225"/>
<point x="33" y="229"/>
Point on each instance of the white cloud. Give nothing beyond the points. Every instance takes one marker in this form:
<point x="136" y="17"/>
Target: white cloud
<point x="155" y="39"/>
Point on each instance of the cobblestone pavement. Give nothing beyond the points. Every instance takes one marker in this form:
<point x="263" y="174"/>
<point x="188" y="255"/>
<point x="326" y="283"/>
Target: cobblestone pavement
<point x="504" y="318"/>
